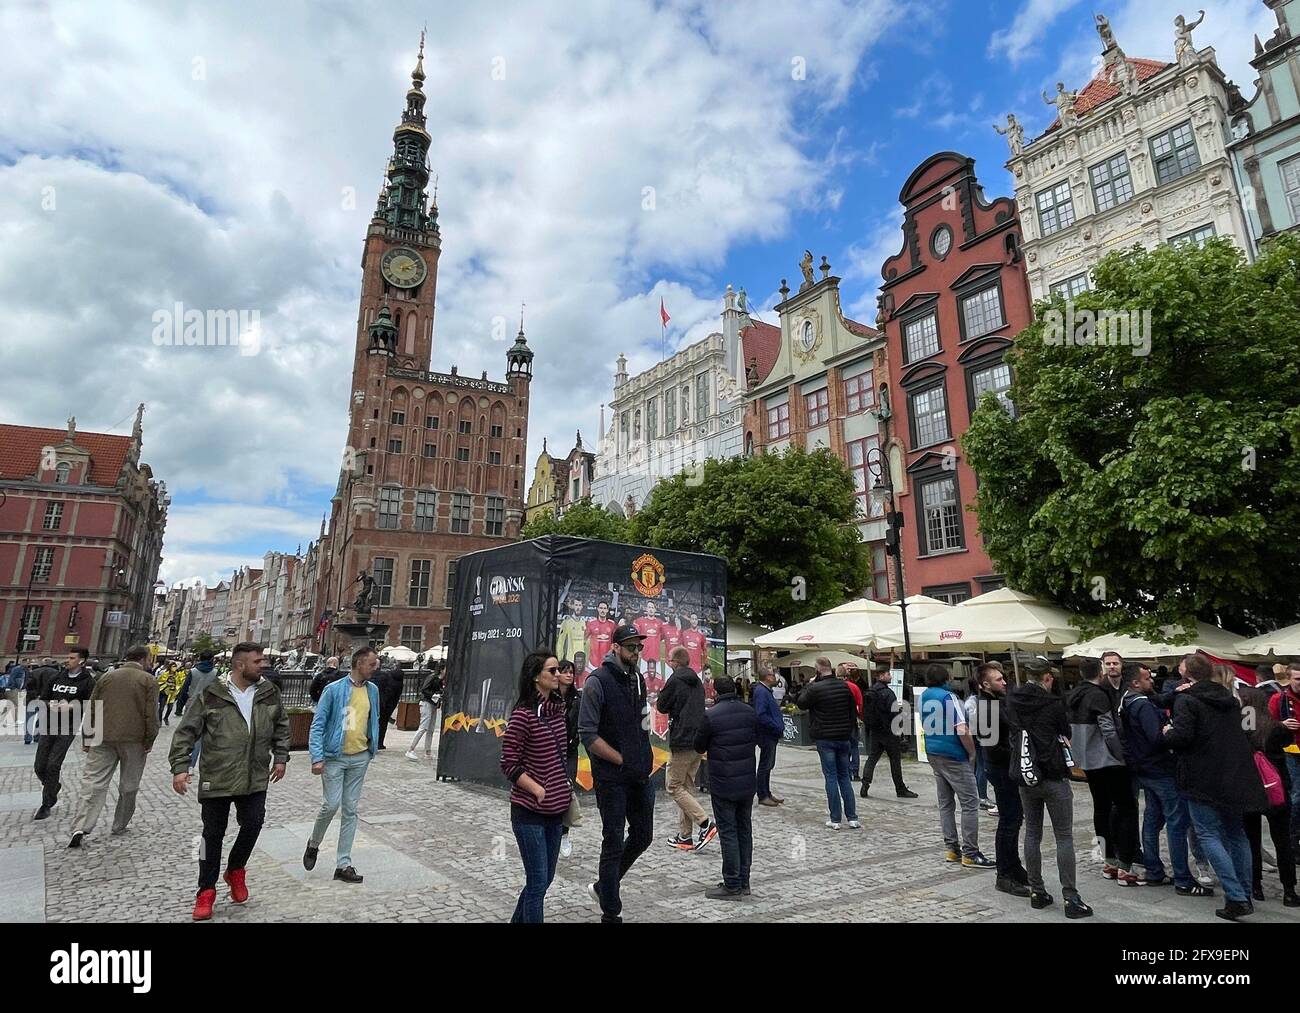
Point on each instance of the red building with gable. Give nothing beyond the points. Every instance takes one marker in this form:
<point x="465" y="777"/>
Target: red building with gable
<point x="951" y="302"/>
<point x="81" y="530"/>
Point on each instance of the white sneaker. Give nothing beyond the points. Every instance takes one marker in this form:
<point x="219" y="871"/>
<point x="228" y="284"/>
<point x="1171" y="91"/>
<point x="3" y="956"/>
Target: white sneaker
<point x="566" y="846"/>
<point x="595" y="897"/>
<point x="854" y="825"/>
<point x="832" y="824"/>
<point x="412" y="755"/>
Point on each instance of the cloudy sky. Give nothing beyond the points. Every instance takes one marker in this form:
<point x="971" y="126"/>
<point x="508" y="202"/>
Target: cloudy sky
<point x="227" y="156"/>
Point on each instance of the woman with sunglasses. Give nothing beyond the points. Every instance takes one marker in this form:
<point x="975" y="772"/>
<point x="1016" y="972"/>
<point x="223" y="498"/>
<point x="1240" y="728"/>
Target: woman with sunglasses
<point x="533" y="760"/>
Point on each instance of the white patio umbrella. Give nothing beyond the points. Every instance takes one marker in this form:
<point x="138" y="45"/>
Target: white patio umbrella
<point x="858" y="624"/>
<point x="1207" y="638"/>
<point x="1001" y="620"/>
<point x="398" y="653"/>
<point x="1279" y="643"/>
<point x="808" y="659"/>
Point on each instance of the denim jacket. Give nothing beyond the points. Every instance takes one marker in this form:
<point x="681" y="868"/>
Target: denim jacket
<point x="326" y="739"/>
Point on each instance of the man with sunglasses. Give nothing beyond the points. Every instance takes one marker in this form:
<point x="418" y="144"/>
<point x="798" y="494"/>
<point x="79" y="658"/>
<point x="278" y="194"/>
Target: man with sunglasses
<point x="614" y="725"/>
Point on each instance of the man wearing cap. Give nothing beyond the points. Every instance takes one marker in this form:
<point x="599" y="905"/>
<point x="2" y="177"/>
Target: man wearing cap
<point x="614" y="725"/>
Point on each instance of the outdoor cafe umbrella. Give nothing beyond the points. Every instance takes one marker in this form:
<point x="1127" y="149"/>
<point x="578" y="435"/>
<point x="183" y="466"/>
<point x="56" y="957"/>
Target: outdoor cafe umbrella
<point x="1207" y="638"/>
<point x="1280" y="643"/>
<point x="398" y="653"/>
<point x="858" y="624"/>
<point x="1001" y="620"/>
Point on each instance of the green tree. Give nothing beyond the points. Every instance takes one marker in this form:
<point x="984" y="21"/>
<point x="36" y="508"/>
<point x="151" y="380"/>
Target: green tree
<point x="204" y="642"/>
<point x="1144" y="489"/>
<point x="774" y="518"/>
<point x="583" y="520"/>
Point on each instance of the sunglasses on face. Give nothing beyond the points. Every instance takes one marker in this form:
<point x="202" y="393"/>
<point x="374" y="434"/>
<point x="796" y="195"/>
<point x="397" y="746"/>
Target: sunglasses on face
<point x="632" y="647"/>
<point x="553" y="669"/>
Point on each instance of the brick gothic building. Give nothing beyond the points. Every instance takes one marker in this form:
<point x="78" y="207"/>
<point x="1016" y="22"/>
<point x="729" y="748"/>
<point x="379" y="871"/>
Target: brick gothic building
<point x="81" y="531"/>
<point x="951" y="303"/>
<point x="434" y="463"/>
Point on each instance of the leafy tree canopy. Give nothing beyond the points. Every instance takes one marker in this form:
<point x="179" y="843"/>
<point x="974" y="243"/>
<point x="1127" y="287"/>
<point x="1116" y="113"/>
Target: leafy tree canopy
<point x="584" y="520"/>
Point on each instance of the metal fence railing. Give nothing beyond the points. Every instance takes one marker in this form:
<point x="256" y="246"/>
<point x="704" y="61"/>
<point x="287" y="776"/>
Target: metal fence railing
<point x="295" y="687"/>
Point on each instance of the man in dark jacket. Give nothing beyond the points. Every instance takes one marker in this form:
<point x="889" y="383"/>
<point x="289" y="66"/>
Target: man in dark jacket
<point x="729" y="734"/>
<point x="1098" y="750"/>
<point x="994" y="734"/>
<point x="614" y="725"/>
<point x="245" y="733"/>
<point x="771" y="729"/>
<point x="1041" y="761"/>
<point x="833" y="715"/>
<point x="1152" y="766"/>
<point x="330" y="673"/>
<point x="880" y="715"/>
<point x="63" y="697"/>
<point x="38" y="677"/>
<point x="682" y="699"/>
<point x="389" y="681"/>
<point x="1218" y="777"/>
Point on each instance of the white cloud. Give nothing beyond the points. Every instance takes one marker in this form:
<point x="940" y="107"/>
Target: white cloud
<point x="204" y="153"/>
<point x="1017" y="42"/>
<point x="883" y="238"/>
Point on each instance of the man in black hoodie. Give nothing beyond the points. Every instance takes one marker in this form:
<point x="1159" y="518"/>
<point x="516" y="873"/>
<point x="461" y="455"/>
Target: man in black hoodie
<point x="63" y="696"/>
<point x="1041" y="761"/>
<point x="1218" y="777"/>
<point x="330" y="673"/>
<point x="880" y="715"/>
<point x="614" y="725"/>
<point x="994" y="734"/>
<point x="682" y="699"/>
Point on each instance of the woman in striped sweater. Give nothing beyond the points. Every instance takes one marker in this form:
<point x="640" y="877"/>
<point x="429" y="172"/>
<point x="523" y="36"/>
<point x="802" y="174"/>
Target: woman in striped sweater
<point x="533" y="760"/>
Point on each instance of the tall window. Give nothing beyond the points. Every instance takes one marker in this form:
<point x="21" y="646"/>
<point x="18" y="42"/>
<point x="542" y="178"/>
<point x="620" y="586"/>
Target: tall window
<point x="62" y="472"/>
<point x="879" y="572"/>
<point x="494" y="457"/>
<point x="426" y="510"/>
<point x="1174" y="153"/>
<point x="383" y="574"/>
<point x="394" y="446"/>
<point x="53" y="517"/>
<point x="686" y="403"/>
<point x="921" y="337"/>
<point x="1111" y="182"/>
<point x="995" y="378"/>
<point x="652" y="419"/>
<point x="1194" y="237"/>
<point x="702" y="386"/>
<point x="860" y="392"/>
<point x="450" y="599"/>
<point x="30" y="625"/>
<point x="496" y="432"/>
<point x="397" y="418"/>
<point x="430" y="451"/>
<point x="818" y="406"/>
<point x="496" y="515"/>
<point x="431" y="421"/>
<point x="43" y="564"/>
<point x="941" y="514"/>
<point x="778" y="421"/>
<point x="1055" y="208"/>
<point x="624" y="431"/>
<point x="390" y="506"/>
<point x="460" y="513"/>
<point x="462" y="453"/>
<point x="413" y="638"/>
<point x="670" y="411"/>
<point x="930" y="416"/>
<point x="465" y="426"/>
<point x="982" y="311"/>
<point x="1071" y="287"/>
<point x="417" y="593"/>
<point x="1290" y="170"/>
<point x="863" y="455"/>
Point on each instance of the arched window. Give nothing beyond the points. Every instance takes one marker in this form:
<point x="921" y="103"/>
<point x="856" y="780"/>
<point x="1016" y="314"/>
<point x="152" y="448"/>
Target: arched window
<point x="62" y="473"/>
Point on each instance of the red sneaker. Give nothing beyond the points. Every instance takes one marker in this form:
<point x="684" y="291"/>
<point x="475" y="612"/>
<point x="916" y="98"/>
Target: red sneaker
<point x="203" y="904"/>
<point x="1128" y="878"/>
<point x="238" y="891"/>
<point x="1110" y="871"/>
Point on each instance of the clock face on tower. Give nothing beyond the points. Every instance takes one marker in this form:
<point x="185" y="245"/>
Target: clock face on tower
<point x="403" y="267"/>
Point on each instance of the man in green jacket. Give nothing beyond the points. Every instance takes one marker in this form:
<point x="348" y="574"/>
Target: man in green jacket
<point x="244" y="728"/>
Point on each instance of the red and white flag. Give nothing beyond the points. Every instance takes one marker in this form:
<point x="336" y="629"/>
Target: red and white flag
<point x="663" y="313"/>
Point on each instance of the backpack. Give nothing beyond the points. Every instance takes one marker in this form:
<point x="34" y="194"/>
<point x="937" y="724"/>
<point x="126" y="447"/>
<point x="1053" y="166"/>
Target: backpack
<point x="1272" y="781"/>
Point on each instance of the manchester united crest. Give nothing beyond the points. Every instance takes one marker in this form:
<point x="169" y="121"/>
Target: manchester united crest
<point x="648" y="575"/>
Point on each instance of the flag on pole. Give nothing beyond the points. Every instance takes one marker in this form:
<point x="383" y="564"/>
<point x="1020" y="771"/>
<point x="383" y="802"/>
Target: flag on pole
<point x="663" y="313"/>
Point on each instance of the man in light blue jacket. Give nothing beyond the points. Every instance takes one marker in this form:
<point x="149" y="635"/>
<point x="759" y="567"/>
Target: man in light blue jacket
<point x="344" y="739"/>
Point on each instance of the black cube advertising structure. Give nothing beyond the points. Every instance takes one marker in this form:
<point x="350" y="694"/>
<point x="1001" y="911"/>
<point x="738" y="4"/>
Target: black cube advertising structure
<point x="569" y="594"/>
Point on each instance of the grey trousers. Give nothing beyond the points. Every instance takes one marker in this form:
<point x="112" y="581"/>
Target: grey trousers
<point x="1058" y="798"/>
<point x="97" y="775"/>
<point x="954" y="782"/>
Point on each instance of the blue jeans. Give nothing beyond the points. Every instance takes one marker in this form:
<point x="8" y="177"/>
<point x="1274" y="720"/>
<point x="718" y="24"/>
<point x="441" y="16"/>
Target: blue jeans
<point x="1165" y="808"/>
<point x="982" y="773"/>
<point x="539" y="848"/>
<point x="834" y="754"/>
<point x="1293" y="768"/>
<point x="766" y="761"/>
<point x="736" y="832"/>
<point x="1226" y="846"/>
<point x="343" y="778"/>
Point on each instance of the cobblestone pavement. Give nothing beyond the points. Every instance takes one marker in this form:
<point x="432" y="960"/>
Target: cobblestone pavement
<point x="433" y="851"/>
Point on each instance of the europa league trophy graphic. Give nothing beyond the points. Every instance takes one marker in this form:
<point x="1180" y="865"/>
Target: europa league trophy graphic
<point x="480" y="728"/>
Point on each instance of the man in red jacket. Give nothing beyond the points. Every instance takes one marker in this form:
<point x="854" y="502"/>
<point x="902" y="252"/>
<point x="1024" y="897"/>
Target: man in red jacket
<point x="1285" y="708"/>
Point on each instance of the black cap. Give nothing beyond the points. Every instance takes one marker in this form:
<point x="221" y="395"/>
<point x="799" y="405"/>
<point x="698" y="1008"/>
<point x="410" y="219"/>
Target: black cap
<point x="626" y="632"/>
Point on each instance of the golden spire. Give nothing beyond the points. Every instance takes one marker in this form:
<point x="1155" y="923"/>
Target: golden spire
<point x="417" y="75"/>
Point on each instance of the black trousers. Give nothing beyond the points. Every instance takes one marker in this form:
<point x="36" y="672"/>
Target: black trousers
<point x="250" y="811"/>
<point x="735" y="819"/>
<point x="631" y="805"/>
<point x="1279" y="819"/>
<point x="50" y="751"/>
<point x="1115" y="814"/>
<point x="883" y="742"/>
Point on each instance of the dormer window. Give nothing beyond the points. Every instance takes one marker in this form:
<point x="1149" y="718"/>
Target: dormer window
<point x="62" y="473"/>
